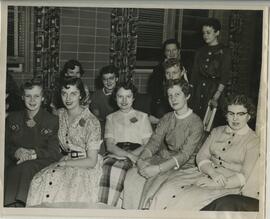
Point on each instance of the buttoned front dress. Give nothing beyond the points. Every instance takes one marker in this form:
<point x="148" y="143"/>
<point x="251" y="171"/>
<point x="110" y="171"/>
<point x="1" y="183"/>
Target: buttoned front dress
<point x="211" y="67"/>
<point x="68" y="184"/>
<point x="230" y="153"/>
<point x="42" y="137"/>
<point x="175" y="136"/>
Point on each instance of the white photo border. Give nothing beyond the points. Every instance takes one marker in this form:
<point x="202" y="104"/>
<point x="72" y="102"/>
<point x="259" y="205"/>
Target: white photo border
<point x="263" y="121"/>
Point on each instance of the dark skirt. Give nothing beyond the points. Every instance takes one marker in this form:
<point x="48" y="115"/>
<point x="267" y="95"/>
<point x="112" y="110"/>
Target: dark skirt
<point x="18" y="178"/>
<point x="233" y="203"/>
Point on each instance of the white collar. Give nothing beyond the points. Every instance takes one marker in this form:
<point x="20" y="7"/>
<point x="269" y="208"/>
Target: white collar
<point x="106" y="94"/>
<point x="183" y="116"/>
<point x="127" y="113"/>
<point x="241" y="131"/>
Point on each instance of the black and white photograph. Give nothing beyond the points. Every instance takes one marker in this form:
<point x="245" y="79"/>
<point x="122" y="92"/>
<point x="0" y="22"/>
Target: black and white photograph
<point x="116" y="108"/>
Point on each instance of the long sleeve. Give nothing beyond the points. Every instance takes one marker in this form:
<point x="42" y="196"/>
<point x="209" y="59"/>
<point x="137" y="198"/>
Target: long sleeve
<point x="157" y="137"/>
<point x="10" y="147"/>
<point x="195" y="71"/>
<point x="49" y="146"/>
<point x="251" y="156"/>
<point x="204" y="155"/>
<point x="192" y="142"/>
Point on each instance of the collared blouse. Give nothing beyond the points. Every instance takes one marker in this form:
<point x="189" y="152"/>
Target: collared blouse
<point x="231" y="152"/>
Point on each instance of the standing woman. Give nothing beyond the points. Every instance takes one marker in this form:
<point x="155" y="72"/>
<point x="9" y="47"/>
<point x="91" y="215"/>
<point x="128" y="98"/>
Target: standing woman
<point x="126" y="132"/>
<point x="211" y="69"/>
<point x="30" y="144"/>
<point x="75" y="179"/>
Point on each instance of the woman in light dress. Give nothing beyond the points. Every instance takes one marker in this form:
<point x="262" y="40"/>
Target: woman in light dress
<point x="225" y="162"/>
<point x="75" y="178"/>
<point x="126" y="133"/>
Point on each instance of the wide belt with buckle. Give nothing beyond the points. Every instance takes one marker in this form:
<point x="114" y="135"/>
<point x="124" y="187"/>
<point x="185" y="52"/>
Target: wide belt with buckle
<point x="128" y="146"/>
<point x="73" y="154"/>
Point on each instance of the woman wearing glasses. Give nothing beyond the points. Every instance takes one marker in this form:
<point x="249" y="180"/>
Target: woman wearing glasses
<point x="225" y="162"/>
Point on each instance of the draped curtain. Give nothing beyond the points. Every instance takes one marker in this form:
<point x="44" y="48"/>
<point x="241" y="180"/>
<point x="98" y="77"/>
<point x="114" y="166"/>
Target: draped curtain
<point x="124" y="41"/>
<point x="235" y="36"/>
<point x="46" y="44"/>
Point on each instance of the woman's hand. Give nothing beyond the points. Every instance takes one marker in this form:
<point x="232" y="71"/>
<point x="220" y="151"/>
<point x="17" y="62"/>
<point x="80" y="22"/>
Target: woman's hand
<point x="62" y="163"/>
<point x="23" y="154"/>
<point x="208" y="183"/>
<point x="219" y="179"/>
<point x="141" y="164"/>
<point x="132" y="157"/>
<point x="150" y="171"/>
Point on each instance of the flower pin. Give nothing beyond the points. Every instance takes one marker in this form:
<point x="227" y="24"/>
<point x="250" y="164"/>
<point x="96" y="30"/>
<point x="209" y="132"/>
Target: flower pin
<point x="82" y="122"/>
<point x="30" y="123"/>
<point x="46" y="131"/>
<point x="133" y="119"/>
<point x="15" y="127"/>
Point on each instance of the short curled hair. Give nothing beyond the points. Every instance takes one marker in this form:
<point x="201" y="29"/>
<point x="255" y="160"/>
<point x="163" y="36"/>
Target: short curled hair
<point x="168" y="63"/>
<point x="239" y="99"/>
<point x="182" y="83"/>
<point x="71" y="65"/>
<point x="170" y="41"/>
<point x="212" y="22"/>
<point x="127" y="86"/>
<point x="67" y="81"/>
<point x="28" y="85"/>
<point x="109" y="69"/>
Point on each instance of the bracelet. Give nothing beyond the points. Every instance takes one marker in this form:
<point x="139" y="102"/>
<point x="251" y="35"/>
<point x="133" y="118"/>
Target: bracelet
<point x="177" y="164"/>
<point x="159" y="167"/>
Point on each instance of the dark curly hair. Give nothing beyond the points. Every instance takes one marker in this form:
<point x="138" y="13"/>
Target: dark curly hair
<point x="67" y="81"/>
<point x="170" y="41"/>
<point x="212" y="22"/>
<point x="127" y="86"/>
<point x="239" y="99"/>
<point x="71" y="65"/>
<point x="109" y="69"/>
<point x="182" y="83"/>
<point x="168" y="63"/>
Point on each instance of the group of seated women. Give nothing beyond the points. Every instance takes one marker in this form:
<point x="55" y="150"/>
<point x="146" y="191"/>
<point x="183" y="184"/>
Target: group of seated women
<point x="54" y="161"/>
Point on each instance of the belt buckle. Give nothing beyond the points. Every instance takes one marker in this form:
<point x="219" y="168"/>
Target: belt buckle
<point x="74" y="154"/>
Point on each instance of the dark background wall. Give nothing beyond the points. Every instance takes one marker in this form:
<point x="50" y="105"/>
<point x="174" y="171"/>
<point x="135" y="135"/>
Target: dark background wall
<point x="85" y="35"/>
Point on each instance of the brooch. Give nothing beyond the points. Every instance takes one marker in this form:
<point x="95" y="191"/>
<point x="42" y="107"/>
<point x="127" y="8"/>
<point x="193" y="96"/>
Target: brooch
<point x="133" y="119"/>
<point x="82" y="122"/>
<point x="30" y="123"/>
<point x="15" y="127"/>
<point x="46" y="131"/>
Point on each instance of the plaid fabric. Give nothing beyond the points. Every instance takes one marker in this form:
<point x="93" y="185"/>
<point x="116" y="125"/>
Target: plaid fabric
<point x="112" y="180"/>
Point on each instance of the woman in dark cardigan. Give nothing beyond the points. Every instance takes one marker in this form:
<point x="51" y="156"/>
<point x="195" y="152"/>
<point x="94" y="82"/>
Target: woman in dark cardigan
<point x="31" y="144"/>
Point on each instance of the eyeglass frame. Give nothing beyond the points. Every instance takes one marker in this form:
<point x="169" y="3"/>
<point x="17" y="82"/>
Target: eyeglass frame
<point x="239" y="114"/>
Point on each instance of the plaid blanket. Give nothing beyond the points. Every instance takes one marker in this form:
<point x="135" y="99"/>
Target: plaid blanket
<point x="112" y="180"/>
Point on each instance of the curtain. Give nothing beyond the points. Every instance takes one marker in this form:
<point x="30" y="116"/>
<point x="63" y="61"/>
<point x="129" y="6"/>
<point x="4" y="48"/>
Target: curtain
<point x="46" y="46"/>
<point x="235" y="36"/>
<point x="124" y="41"/>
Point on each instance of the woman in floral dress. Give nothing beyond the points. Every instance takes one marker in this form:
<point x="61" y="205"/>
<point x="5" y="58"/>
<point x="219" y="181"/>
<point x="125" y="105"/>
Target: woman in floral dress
<point x="75" y="178"/>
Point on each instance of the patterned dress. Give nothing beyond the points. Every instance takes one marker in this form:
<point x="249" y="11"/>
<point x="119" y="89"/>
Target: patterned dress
<point x="230" y="153"/>
<point x="67" y="184"/>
